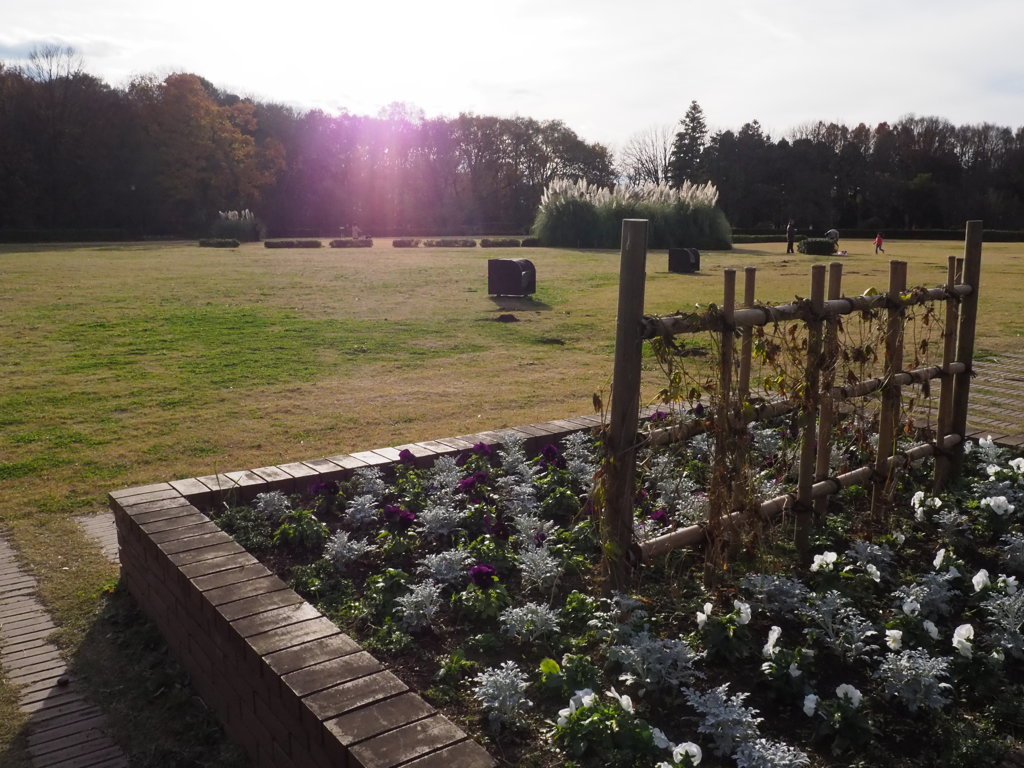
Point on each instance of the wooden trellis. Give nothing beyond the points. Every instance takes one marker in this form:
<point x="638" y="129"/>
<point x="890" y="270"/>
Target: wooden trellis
<point x="818" y="408"/>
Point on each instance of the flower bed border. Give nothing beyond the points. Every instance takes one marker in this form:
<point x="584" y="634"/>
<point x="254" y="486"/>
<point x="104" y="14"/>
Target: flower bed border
<point x="285" y="682"/>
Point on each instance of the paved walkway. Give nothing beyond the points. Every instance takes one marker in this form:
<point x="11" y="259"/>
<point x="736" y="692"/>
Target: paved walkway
<point x="64" y="730"/>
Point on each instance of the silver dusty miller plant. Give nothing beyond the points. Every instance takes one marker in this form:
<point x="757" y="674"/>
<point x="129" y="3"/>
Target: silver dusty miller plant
<point x="500" y="691"/>
<point x="273" y="505"/>
<point x="342" y="549"/>
<point x="915" y="679"/>
<point x="725" y="719"/>
<point x="655" y="662"/>
<point x="529" y="622"/>
<point x="764" y="753"/>
<point x="839" y="626"/>
<point x="420" y="605"/>
<point x="448" y="567"/>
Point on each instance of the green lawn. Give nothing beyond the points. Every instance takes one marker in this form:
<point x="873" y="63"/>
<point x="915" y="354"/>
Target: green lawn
<point x="129" y="364"/>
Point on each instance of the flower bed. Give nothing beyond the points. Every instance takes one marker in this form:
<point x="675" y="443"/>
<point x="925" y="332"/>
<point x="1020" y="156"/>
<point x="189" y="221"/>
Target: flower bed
<point x="286" y="683"/>
<point x="900" y="644"/>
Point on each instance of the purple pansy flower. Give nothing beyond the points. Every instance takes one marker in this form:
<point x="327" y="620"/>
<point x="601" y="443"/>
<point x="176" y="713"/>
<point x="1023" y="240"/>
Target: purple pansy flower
<point x="483" y="575"/>
<point x="324" y="488"/>
<point x="406" y="457"/>
<point x="659" y="516"/>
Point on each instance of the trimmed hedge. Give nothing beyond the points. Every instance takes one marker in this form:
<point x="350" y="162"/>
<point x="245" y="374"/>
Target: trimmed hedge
<point x="292" y="244"/>
<point x="218" y="242"/>
<point x="530" y="242"/>
<point x="450" y="242"/>
<point x="405" y="242"/>
<point x="816" y="246"/>
<point x="500" y="242"/>
<point x="352" y="242"/>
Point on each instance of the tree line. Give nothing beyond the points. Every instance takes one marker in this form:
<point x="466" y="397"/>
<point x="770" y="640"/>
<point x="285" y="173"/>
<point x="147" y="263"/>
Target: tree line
<point x="163" y="156"/>
<point x="916" y="173"/>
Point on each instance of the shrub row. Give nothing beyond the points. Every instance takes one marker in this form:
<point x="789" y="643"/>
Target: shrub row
<point x="816" y="246"/>
<point x="292" y="244"/>
<point x="218" y="242"/>
<point x="450" y="242"/>
<point x="352" y="242"/>
<point x="405" y="242"/>
<point x="500" y="242"/>
<point x="764" y="238"/>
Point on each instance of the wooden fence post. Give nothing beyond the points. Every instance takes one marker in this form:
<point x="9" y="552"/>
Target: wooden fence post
<point x="888" y="418"/>
<point x="809" y="414"/>
<point x="943" y="464"/>
<point x="965" y="337"/>
<point x="826" y="412"/>
<point x="620" y="468"/>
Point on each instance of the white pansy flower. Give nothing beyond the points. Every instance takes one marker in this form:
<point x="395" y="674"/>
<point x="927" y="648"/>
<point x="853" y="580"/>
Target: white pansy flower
<point x="794" y="670"/>
<point x="1017" y="465"/>
<point x="931" y="629"/>
<point x="911" y="607"/>
<point x="873" y="572"/>
<point x="851" y="694"/>
<point x="992" y="470"/>
<point x="998" y="504"/>
<point x="769" y="649"/>
<point x="981" y="580"/>
<point x="624" y="701"/>
<point x="744" y="611"/>
<point x="917" y="500"/>
<point x="660" y="741"/>
<point x="962" y="637"/>
<point x="894" y="639"/>
<point x="939" y="557"/>
<point x="810" y="704"/>
<point x="702" y="616"/>
<point x="1008" y="583"/>
<point x="824" y="561"/>
<point x="687" y="749"/>
<point x="998" y="655"/>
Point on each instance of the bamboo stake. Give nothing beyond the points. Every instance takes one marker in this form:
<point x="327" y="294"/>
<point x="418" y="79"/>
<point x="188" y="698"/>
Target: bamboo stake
<point x="943" y="465"/>
<point x="809" y="415"/>
<point x="965" y="337"/>
<point x="826" y="417"/>
<point x="747" y="337"/>
<point x="721" y="497"/>
<point x="623" y="421"/>
<point x="890" y="411"/>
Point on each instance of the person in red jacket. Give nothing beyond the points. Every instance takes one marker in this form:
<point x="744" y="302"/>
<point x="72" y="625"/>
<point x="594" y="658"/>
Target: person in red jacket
<point x="878" y="244"/>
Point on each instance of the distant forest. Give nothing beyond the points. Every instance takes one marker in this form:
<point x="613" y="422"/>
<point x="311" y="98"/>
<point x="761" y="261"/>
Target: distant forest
<point x="163" y="157"/>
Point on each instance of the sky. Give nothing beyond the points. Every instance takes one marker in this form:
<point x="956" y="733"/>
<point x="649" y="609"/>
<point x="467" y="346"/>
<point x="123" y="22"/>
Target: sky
<point x="609" y="70"/>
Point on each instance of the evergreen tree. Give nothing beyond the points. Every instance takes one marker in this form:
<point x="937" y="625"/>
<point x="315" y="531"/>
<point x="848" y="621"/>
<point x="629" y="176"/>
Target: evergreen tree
<point x="685" y="164"/>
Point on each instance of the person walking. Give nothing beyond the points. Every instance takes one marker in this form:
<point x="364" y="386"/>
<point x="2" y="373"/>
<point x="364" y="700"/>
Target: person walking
<point x="878" y="244"/>
<point x="790" y="236"/>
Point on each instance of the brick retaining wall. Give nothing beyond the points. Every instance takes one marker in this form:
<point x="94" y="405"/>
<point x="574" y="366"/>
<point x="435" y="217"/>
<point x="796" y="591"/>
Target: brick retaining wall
<point x="286" y="683"/>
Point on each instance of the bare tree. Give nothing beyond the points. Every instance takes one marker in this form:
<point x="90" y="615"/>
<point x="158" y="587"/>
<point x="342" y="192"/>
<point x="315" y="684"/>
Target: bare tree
<point x="645" y="157"/>
<point x="50" y="62"/>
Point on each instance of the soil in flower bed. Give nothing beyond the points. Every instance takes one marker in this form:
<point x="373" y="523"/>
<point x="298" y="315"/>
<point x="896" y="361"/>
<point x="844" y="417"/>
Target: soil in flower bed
<point x="476" y="581"/>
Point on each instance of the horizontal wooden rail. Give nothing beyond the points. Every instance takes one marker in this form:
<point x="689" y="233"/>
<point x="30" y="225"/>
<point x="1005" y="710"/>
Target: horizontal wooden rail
<point x="694" y="534"/>
<point x="696" y="322"/>
<point x="916" y="376"/>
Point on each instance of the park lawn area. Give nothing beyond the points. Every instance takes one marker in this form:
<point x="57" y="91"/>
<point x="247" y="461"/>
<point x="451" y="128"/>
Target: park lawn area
<point x="128" y="364"/>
